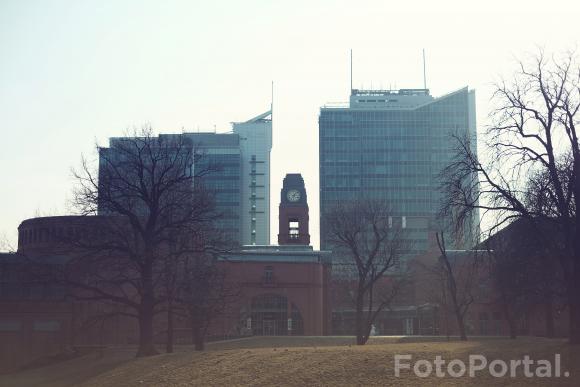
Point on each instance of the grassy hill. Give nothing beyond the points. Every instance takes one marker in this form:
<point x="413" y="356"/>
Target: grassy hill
<point x="303" y="361"/>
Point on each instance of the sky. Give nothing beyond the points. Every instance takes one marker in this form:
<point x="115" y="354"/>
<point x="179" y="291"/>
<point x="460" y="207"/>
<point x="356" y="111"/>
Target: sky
<point x="74" y="73"/>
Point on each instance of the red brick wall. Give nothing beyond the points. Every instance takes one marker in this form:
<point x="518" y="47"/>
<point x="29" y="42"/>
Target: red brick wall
<point x="303" y="284"/>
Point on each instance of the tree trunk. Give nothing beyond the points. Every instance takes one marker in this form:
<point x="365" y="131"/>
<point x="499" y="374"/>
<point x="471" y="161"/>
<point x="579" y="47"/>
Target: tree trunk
<point x="461" y="325"/>
<point x="146" y="314"/>
<point x="452" y="285"/>
<point x="445" y="311"/>
<point x="507" y="311"/>
<point x="359" y="324"/>
<point x="198" y="336"/>
<point x="549" y="315"/>
<point x="447" y="333"/>
<point x="458" y="315"/>
<point x="146" y="347"/>
<point x="169" y="343"/>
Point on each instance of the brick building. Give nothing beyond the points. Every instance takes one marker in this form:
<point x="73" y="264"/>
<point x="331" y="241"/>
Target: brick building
<point x="283" y="290"/>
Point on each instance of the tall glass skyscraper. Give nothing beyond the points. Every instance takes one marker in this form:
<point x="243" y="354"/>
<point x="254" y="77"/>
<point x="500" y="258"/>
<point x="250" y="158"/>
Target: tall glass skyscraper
<point x="240" y="175"/>
<point x="221" y="152"/>
<point x="392" y="145"/>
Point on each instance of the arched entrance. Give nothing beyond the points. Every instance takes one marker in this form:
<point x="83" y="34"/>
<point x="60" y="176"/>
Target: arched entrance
<point x="273" y="315"/>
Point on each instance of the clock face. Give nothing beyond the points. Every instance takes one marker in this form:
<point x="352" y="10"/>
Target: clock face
<point x="293" y="195"/>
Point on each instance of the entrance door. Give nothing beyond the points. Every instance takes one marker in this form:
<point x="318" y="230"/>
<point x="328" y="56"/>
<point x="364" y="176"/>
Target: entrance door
<point x="269" y="328"/>
<point x="269" y="316"/>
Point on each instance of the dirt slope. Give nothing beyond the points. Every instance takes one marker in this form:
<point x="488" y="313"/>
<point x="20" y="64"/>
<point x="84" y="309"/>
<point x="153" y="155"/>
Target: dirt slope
<point x="329" y="365"/>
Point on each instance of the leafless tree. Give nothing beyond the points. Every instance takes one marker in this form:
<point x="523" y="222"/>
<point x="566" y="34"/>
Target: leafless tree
<point x="363" y="234"/>
<point x="148" y="195"/>
<point x="5" y="243"/>
<point x="194" y="284"/>
<point x="533" y="140"/>
<point x="204" y="294"/>
<point x="458" y="279"/>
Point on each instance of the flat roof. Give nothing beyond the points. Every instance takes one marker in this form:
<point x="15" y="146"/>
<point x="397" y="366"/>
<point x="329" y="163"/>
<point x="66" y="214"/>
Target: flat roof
<point x="279" y="253"/>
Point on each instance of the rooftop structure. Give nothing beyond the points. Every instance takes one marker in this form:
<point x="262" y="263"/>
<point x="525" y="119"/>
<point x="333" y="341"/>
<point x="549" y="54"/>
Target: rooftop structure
<point x="389" y="99"/>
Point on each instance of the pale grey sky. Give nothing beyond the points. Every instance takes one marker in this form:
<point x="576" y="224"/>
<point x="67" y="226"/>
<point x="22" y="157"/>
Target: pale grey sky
<point x="72" y="72"/>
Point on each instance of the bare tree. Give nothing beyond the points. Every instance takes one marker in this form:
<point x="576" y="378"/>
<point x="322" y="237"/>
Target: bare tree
<point x="5" y="243"/>
<point x="147" y="194"/>
<point x="363" y="234"/>
<point x="458" y="278"/>
<point x="195" y="286"/>
<point x="204" y="294"/>
<point x="533" y="139"/>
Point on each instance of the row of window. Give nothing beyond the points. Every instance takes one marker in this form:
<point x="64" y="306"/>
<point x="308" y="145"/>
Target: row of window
<point x="37" y="325"/>
<point x="395" y="184"/>
<point x="428" y="113"/>
<point x="44" y="234"/>
<point x="31" y="291"/>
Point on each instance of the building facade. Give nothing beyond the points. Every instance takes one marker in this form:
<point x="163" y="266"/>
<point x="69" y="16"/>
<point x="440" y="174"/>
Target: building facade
<point x="285" y="288"/>
<point x="283" y="291"/>
<point x="392" y="145"/>
<point x="255" y="146"/>
<point x="224" y="181"/>
<point x="238" y="165"/>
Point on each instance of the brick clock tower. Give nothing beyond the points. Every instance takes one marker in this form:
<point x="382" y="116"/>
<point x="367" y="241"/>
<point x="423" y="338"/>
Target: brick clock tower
<point x="293" y="216"/>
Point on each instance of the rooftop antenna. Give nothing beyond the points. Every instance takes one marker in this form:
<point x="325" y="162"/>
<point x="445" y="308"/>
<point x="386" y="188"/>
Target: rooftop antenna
<point x="424" y="72"/>
<point x="351" y="71"/>
<point x="272" y="101"/>
<point x="272" y="109"/>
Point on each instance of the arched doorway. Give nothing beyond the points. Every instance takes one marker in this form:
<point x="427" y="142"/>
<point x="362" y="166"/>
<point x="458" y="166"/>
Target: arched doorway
<point x="273" y="315"/>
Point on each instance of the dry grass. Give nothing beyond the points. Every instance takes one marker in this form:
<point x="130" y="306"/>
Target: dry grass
<point x="296" y="361"/>
<point x="329" y="361"/>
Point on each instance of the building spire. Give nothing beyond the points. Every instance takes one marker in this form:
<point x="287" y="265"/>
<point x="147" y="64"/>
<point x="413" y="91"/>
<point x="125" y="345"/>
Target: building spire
<point x="351" y="71"/>
<point x="272" y="101"/>
<point x="424" y="72"/>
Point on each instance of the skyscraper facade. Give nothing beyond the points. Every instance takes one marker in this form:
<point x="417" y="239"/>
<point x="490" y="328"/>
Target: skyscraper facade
<point x="239" y="176"/>
<point x="255" y="146"/>
<point x="392" y="145"/>
<point x="220" y="154"/>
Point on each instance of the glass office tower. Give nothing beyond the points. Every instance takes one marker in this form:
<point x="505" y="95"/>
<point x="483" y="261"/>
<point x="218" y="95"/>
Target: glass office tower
<point x="239" y="177"/>
<point x="392" y="145"/>
<point x="221" y="154"/>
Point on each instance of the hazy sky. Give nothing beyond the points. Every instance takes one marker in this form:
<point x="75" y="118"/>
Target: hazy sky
<point x="75" y="72"/>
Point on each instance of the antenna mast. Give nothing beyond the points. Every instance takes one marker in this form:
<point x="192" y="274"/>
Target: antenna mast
<point x="424" y="72"/>
<point x="272" y="100"/>
<point x="351" y="71"/>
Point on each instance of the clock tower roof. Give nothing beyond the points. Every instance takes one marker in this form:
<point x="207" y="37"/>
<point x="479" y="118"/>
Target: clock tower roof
<point x="293" y="191"/>
<point x="293" y="217"/>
